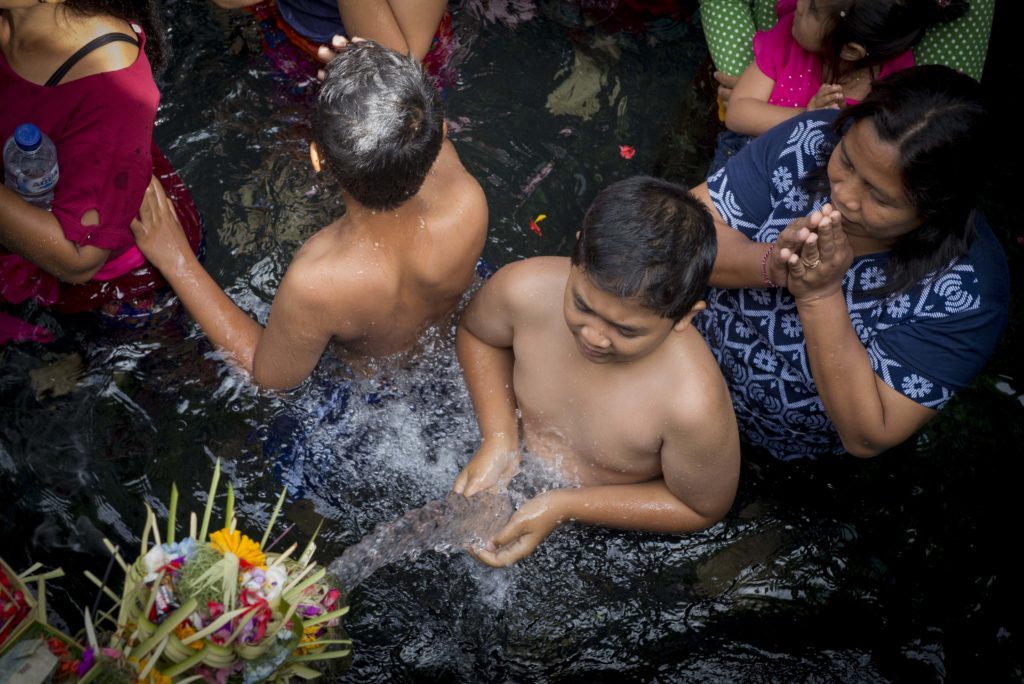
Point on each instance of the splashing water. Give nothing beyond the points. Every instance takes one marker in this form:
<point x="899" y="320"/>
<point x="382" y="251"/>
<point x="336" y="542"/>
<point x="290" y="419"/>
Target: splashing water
<point x="443" y="525"/>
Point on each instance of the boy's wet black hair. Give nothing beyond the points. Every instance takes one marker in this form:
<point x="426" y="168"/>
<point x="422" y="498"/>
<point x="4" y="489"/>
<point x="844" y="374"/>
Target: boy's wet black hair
<point x="378" y="124"/>
<point x="647" y="239"/>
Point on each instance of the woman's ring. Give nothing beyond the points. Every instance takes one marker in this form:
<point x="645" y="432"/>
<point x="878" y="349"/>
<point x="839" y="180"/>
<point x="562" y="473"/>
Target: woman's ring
<point x="812" y="265"/>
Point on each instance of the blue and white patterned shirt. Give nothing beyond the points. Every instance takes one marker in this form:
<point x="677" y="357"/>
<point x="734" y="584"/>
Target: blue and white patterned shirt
<point x="925" y="343"/>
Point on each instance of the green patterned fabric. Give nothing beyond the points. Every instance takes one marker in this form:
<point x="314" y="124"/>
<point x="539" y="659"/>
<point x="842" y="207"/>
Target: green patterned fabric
<point x="729" y="27"/>
<point x="960" y="44"/>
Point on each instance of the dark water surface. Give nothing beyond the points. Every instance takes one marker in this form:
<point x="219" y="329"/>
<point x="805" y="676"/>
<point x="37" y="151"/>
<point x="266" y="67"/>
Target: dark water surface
<point x="897" y="569"/>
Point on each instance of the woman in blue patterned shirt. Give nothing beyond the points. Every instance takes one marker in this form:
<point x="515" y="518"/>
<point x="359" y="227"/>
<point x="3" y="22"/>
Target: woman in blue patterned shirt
<point x="856" y="288"/>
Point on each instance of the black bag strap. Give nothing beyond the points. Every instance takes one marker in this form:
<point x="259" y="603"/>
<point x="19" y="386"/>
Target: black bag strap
<point x="93" y="44"/>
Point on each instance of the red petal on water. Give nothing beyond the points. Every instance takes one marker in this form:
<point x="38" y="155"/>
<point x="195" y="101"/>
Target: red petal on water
<point x="626" y="151"/>
<point x="535" y="228"/>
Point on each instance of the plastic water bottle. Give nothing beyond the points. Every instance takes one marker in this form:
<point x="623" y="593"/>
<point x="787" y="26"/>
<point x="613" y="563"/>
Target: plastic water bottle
<point x="30" y="165"/>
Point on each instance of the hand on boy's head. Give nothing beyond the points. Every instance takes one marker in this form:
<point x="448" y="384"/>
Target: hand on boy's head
<point x="157" y="231"/>
<point x="325" y="53"/>
<point x="529" y="526"/>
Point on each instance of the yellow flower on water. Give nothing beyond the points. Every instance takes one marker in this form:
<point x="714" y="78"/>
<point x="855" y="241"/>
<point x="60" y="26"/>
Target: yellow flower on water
<point x="237" y="543"/>
<point x="185" y="630"/>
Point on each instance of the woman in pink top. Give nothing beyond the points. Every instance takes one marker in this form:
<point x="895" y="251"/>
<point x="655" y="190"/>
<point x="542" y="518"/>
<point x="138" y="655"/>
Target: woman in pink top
<point x="81" y="71"/>
<point x="824" y="54"/>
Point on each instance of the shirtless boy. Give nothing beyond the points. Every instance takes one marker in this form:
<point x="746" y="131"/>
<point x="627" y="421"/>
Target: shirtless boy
<point x="396" y="262"/>
<point x="611" y="380"/>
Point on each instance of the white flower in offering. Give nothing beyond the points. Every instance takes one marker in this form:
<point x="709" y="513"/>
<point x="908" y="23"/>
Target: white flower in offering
<point x="154" y="559"/>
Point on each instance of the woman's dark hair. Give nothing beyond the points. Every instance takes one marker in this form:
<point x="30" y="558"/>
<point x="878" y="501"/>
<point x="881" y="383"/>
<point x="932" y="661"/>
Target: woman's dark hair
<point x="378" y="123"/>
<point x="935" y="118"/>
<point x="142" y="12"/>
<point x="885" y="28"/>
<point x="648" y="239"/>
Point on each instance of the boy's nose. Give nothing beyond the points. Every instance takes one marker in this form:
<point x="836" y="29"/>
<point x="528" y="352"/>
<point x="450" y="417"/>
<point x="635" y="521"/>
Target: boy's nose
<point x="594" y="337"/>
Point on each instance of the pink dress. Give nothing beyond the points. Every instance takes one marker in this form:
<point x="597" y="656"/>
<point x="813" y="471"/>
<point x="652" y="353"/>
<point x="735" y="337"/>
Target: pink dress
<point x="796" y="72"/>
<point x="102" y="127"/>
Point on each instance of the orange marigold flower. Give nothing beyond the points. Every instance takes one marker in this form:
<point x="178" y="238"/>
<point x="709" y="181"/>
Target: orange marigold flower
<point x="185" y="630"/>
<point x="240" y="545"/>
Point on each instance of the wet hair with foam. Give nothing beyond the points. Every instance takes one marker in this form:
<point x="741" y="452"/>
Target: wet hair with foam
<point x="378" y="123"/>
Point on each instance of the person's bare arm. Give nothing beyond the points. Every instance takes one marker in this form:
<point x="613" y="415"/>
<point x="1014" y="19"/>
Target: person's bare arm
<point x="36" y="234"/>
<point x="869" y="416"/>
<point x="741" y="262"/>
<point x="749" y="112"/>
<point x="700" y="457"/>
<point x="402" y="25"/>
<point x="484" y="347"/>
<point x="278" y="358"/>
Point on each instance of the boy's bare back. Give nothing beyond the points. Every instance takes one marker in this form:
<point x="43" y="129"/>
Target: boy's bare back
<point x="396" y="262"/>
<point x="372" y="281"/>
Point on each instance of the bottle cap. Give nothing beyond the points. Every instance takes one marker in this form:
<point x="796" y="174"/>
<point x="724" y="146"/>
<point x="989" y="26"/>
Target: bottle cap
<point x="28" y="137"/>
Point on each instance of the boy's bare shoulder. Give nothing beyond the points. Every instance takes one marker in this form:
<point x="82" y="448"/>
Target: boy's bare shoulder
<point x="320" y="270"/>
<point x="458" y="198"/>
<point x="697" y="396"/>
<point x="532" y="283"/>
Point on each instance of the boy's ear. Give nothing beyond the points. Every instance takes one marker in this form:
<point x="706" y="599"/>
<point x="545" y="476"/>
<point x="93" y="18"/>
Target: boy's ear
<point x="681" y="324"/>
<point x="314" y="156"/>
<point x="853" y="52"/>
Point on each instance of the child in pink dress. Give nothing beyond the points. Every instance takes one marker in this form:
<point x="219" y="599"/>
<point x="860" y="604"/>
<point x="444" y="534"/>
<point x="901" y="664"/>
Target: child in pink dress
<point x="825" y="54"/>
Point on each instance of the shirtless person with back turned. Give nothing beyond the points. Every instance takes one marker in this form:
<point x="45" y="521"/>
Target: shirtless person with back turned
<point x="396" y="262"/>
<point x="611" y="380"/>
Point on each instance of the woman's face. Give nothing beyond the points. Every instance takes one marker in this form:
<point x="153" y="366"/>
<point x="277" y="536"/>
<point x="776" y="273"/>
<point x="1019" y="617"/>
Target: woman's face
<point x="867" y="188"/>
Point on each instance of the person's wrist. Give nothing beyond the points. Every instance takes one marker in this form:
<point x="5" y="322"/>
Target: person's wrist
<point x="556" y="505"/>
<point x="765" y="277"/>
<point x="820" y="298"/>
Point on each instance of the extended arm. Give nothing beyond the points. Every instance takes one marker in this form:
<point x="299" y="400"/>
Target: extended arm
<point x="740" y="261"/>
<point x="869" y="415"/>
<point x="36" y="234"/>
<point x="277" y="360"/>
<point x="484" y="347"/>
<point x="700" y="458"/>
<point x="402" y="25"/>
<point x="749" y="112"/>
<point x="648" y="506"/>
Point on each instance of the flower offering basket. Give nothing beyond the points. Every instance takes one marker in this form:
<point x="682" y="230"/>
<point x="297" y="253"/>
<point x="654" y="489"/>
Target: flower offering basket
<point x="214" y="606"/>
<point x="19" y="609"/>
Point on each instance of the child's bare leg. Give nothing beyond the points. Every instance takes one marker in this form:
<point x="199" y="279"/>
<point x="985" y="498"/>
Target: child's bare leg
<point x="402" y="25"/>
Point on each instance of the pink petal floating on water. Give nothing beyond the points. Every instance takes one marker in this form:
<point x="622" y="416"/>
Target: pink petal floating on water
<point x="626" y="152"/>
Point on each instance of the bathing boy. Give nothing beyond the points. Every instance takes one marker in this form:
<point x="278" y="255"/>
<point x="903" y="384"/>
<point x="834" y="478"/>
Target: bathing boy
<point x="597" y="354"/>
<point x="396" y="262"/>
